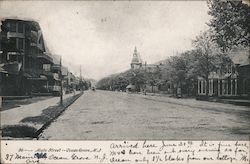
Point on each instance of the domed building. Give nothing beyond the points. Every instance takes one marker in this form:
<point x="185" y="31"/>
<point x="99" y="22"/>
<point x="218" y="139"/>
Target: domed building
<point x="136" y="62"/>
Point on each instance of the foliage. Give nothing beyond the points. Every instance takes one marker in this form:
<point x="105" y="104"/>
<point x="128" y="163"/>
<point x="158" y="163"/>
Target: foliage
<point x="180" y="72"/>
<point x="113" y="82"/>
<point x="209" y="57"/>
<point x="230" y="22"/>
<point x="137" y="77"/>
<point x="207" y="54"/>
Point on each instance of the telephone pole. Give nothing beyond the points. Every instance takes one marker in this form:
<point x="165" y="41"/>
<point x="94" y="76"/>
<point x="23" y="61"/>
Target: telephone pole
<point x="81" y="72"/>
<point x="61" y="83"/>
<point x="81" y="78"/>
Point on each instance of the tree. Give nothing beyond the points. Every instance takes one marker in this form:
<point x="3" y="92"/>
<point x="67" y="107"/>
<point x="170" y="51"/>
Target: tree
<point x="230" y="21"/>
<point x="209" y="58"/>
<point x="137" y="77"/>
<point x="153" y="77"/>
<point x="120" y="82"/>
<point x="104" y="83"/>
<point x="190" y="78"/>
<point x="206" y="60"/>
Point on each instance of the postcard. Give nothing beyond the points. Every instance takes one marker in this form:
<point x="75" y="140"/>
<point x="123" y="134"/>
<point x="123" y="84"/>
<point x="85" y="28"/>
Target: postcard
<point x="125" y="81"/>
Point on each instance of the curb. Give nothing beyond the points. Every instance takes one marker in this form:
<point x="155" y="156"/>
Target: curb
<point x="40" y="130"/>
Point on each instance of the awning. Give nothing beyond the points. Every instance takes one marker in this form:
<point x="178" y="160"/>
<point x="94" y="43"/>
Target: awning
<point x="45" y="57"/>
<point x="130" y="87"/>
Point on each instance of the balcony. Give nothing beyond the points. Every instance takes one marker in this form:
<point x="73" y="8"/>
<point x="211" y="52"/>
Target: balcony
<point x="15" y="53"/>
<point x="15" y="35"/>
<point x="45" y="57"/>
<point x="47" y="73"/>
<point x="55" y="68"/>
<point x="38" y="72"/>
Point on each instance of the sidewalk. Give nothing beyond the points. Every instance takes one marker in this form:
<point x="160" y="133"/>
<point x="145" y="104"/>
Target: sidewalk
<point x="234" y="101"/>
<point x="15" y="116"/>
<point x="241" y="102"/>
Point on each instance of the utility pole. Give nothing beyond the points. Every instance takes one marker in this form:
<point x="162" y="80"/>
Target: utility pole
<point x="61" y="83"/>
<point x="81" y="78"/>
<point x="80" y="72"/>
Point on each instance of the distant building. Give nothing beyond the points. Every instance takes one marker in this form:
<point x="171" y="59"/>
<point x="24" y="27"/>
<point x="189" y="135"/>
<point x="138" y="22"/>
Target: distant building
<point x="136" y="62"/>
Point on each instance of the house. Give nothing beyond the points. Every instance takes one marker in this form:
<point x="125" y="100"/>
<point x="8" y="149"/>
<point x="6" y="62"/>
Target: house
<point x="234" y="82"/>
<point x="26" y="63"/>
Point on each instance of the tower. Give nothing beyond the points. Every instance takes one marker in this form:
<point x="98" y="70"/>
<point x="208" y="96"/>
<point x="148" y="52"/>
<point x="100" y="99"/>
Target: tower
<point x="136" y="60"/>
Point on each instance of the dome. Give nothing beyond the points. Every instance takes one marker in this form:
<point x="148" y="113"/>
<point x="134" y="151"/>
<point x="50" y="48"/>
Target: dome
<point x="135" y="60"/>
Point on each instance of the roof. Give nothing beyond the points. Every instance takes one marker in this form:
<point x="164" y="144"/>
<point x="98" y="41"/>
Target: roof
<point x="19" y="19"/>
<point x="33" y="23"/>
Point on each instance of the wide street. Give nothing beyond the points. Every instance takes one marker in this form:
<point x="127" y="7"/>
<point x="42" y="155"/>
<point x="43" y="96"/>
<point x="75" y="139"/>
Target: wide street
<point x="119" y="115"/>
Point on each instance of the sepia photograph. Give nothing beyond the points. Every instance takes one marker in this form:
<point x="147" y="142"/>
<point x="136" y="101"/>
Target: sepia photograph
<point x="125" y="70"/>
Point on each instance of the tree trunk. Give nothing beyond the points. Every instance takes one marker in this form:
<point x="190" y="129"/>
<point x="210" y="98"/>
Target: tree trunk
<point x="207" y="86"/>
<point x="181" y="87"/>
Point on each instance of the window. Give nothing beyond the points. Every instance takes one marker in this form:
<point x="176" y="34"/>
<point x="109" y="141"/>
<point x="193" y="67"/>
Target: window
<point x="20" y="43"/>
<point x="46" y="67"/>
<point x="233" y="87"/>
<point x="13" y="43"/>
<point x="20" y="27"/>
<point x="199" y="86"/>
<point x="12" y="26"/>
<point x="204" y="87"/>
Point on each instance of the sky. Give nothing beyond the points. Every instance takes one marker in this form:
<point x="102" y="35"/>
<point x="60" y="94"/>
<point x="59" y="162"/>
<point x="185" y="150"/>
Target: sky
<point x="101" y="36"/>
